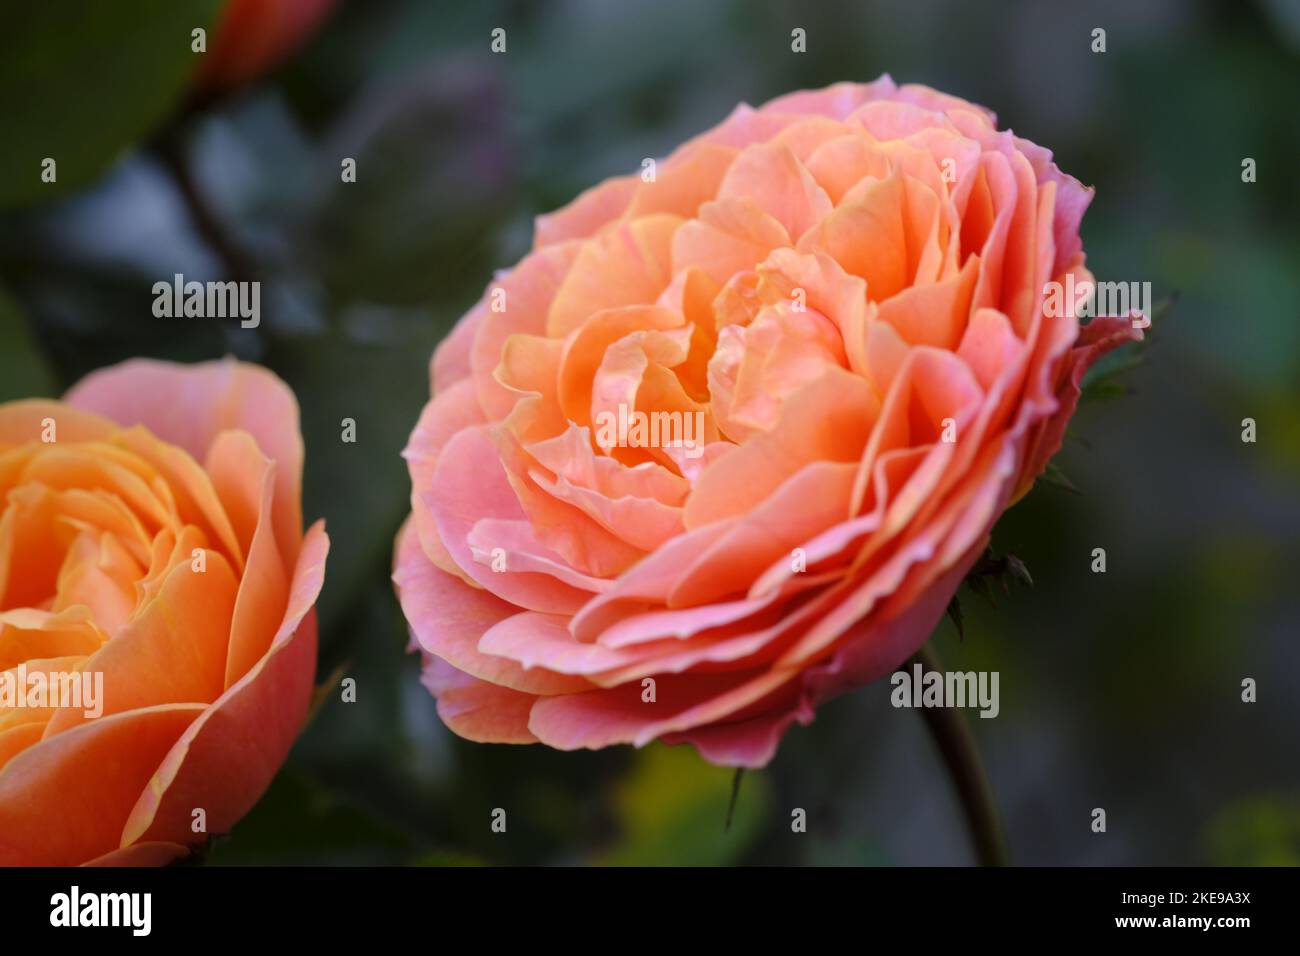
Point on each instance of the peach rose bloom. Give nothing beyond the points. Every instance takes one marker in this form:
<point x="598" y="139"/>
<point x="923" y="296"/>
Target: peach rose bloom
<point x="832" y="281"/>
<point x="156" y="541"/>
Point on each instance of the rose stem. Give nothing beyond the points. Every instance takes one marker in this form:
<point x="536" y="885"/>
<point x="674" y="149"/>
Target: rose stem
<point x="237" y="264"/>
<point x="956" y="744"/>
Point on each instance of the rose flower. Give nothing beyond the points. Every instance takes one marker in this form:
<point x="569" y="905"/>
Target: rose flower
<point x="725" y="443"/>
<point x="153" y="567"/>
<point x="252" y="36"/>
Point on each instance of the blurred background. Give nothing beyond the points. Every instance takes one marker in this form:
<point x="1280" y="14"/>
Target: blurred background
<point x="1119" y="690"/>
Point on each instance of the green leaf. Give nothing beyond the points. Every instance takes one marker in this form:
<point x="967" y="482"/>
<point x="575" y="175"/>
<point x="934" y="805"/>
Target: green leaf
<point x="80" y="83"/>
<point x="23" y="370"/>
<point x="673" y="807"/>
<point x="1104" y="391"/>
<point x="1053" y="475"/>
<point x="1103" y="381"/>
<point x="1262" y="830"/>
<point x="300" y="821"/>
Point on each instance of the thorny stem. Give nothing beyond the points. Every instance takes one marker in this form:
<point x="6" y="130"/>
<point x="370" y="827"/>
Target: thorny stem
<point x="735" y="795"/>
<point x="957" y="746"/>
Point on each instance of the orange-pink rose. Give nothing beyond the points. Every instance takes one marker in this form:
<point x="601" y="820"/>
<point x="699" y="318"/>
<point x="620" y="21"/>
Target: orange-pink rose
<point x="151" y="557"/>
<point x="845" y="290"/>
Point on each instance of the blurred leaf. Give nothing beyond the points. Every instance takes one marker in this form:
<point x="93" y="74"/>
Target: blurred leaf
<point x="1243" y="327"/>
<point x="1053" y="475"/>
<point x="672" y="807"/>
<point x="1216" y="586"/>
<point x="1103" y="382"/>
<point x="1280" y="415"/>
<point x="82" y="82"/>
<point x="298" y="822"/>
<point x="434" y="177"/>
<point x="23" y="371"/>
<point x="92" y="315"/>
<point x="361" y="487"/>
<point x="1104" y="391"/>
<point x="1260" y="831"/>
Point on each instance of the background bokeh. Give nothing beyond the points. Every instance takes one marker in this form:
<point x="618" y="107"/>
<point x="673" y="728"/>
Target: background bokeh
<point x="1119" y="690"/>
